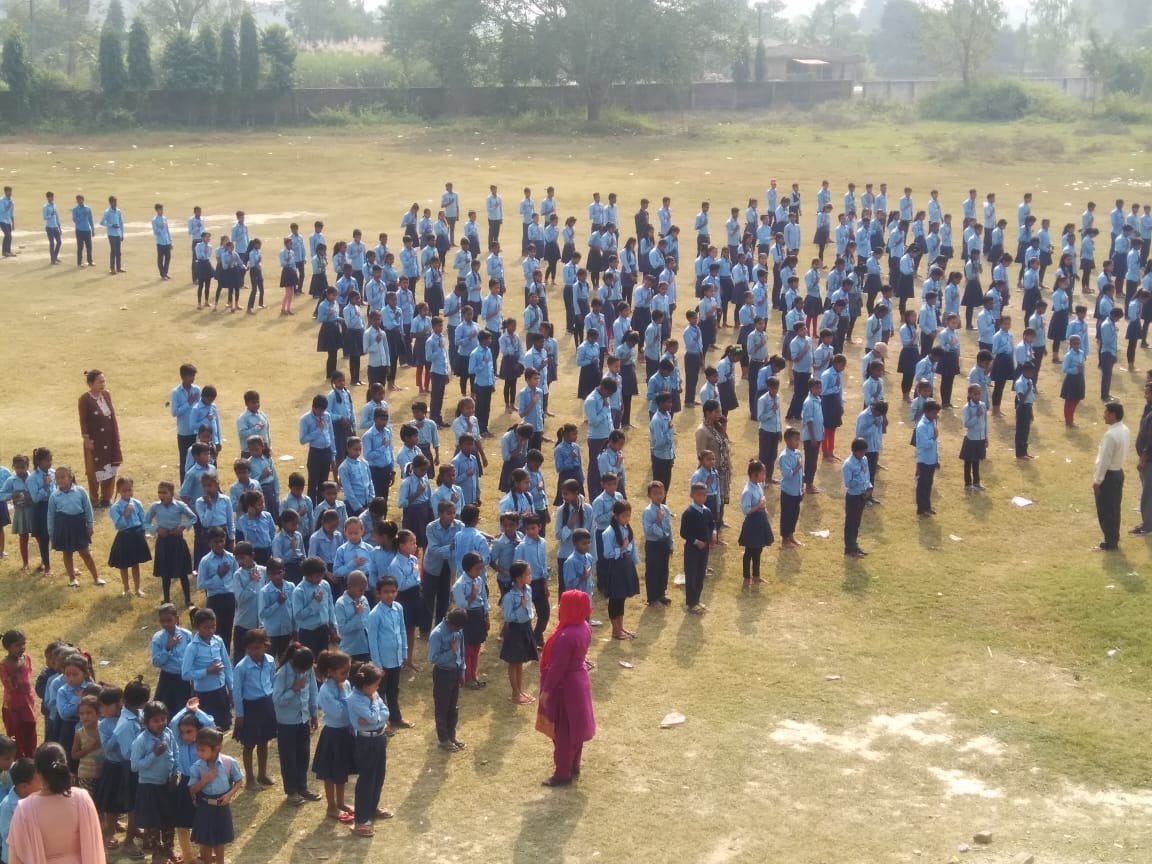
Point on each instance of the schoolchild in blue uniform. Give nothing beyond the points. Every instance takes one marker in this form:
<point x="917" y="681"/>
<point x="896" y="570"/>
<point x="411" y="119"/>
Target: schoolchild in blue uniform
<point x="207" y="666"/>
<point x="168" y="645"/>
<point x="152" y="756"/>
<point x="213" y="783"/>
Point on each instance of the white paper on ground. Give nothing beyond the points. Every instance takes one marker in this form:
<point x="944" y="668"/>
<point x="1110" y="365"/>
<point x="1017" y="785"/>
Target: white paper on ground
<point x="823" y="533"/>
<point x="675" y="718"/>
<point x="1019" y="501"/>
<point x="679" y="579"/>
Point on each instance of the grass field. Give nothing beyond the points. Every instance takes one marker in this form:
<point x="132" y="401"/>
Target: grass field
<point x="958" y="679"/>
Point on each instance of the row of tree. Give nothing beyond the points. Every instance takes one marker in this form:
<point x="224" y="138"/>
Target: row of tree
<point x="237" y="59"/>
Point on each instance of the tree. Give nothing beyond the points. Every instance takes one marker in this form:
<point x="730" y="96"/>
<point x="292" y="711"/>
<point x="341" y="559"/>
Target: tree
<point x="741" y="66"/>
<point x="249" y="54"/>
<point x="770" y="20"/>
<point x="179" y="65"/>
<point x="113" y="77"/>
<point x="961" y="32"/>
<point x="114" y="19"/>
<point x="446" y="33"/>
<point x="597" y="43"/>
<point x="208" y="59"/>
<point x="140" y="75"/>
<point x="760" y="63"/>
<point x="229" y="59"/>
<point x="16" y="72"/>
<point x="329" y="20"/>
<point x="175" y="16"/>
<point x="1054" y="25"/>
<point x="894" y="48"/>
<point x="277" y="45"/>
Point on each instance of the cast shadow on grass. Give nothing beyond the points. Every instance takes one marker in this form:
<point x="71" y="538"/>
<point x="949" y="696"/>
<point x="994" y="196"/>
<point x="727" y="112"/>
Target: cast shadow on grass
<point x="504" y="727"/>
<point x="547" y="824"/>
<point x="857" y="579"/>
<point x="430" y="778"/>
<point x="1118" y="567"/>
<point x="929" y="533"/>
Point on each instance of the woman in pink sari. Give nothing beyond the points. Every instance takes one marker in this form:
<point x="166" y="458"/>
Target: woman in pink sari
<point x="57" y="825"/>
<point x="565" y="709"/>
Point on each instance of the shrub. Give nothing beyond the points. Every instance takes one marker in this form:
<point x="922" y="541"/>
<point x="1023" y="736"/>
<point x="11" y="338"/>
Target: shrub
<point x="997" y="100"/>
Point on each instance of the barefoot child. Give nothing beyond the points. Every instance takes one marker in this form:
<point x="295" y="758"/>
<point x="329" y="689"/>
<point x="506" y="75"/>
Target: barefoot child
<point x="187" y="722"/>
<point x="255" y="710"/>
<point x="19" y="698"/>
<point x="519" y="645"/>
<point x="130" y="548"/>
<point x="168" y="518"/>
<point x="756" y="533"/>
<point x="70" y="521"/>
<point x="87" y="751"/>
<point x="470" y="593"/>
<point x="15" y="488"/>
<point x="153" y="759"/>
<point x="334" y="749"/>
<point x="213" y="783"/>
<point x="620" y="582"/>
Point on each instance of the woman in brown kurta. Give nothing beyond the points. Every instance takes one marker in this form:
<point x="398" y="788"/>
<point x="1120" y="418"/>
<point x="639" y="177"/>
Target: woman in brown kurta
<point x="98" y="427"/>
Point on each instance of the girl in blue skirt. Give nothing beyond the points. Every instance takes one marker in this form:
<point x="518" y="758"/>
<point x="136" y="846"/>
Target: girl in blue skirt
<point x="185" y="725"/>
<point x="153" y="758"/>
<point x="334" y="759"/>
<point x="255" y="711"/>
<point x="214" y="782"/>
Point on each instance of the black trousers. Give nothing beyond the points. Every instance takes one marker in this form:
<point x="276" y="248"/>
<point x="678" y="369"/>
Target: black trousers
<point x="163" y="258"/>
<point x="1108" y="501"/>
<point x="695" y="568"/>
<point x="319" y="470"/>
<point x="811" y="460"/>
<point x="493" y="231"/>
<point x="382" y="481"/>
<point x="769" y="448"/>
<point x="541" y="600"/>
<point x="6" y="229"/>
<point x="656" y="555"/>
<point x="436" y="406"/>
<point x="692" y="365"/>
<point x="1107" y="361"/>
<point x="371" y="765"/>
<point x="224" y="605"/>
<point x="789" y="513"/>
<point x="924" y="477"/>
<point x="183" y="442"/>
<point x="1023" y="427"/>
<point x="54" y="243"/>
<point x="662" y="471"/>
<point x="114" y="261"/>
<point x="446" y="698"/>
<point x="853" y="511"/>
<point x="391" y="694"/>
<point x="483" y="397"/>
<point x="293" y="743"/>
<point x="435" y="591"/>
<point x="799" y="394"/>
<point x="83" y="247"/>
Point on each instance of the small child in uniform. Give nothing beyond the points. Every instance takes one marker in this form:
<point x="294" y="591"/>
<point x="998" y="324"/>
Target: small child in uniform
<point x="294" y="695"/>
<point x="255" y="710"/>
<point x="368" y="716"/>
<point x="470" y="593"/>
<point x="755" y="533"/>
<point x="70" y="523"/>
<point x="333" y="762"/>
<point x="168" y="518"/>
<point x="167" y="648"/>
<point x="130" y="548"/>
<point x="446" y="654"/>
<point x="213" y="783"/>
<point x="153" y="759"/>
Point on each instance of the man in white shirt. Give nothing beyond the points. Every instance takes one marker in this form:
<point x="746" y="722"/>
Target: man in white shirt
<point x="1108" y="479"/>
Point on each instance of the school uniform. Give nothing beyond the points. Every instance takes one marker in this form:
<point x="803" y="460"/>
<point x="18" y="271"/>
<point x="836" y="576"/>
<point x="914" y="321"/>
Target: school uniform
<point x="213" y="821"/>
<point x="295" y="710"/>
<point x="791" y="489"/>
<point x="519" y="643"/>
<point x="927" y="461"/>
<point x="446" y="654"/>
<point x="274" y="612"/>
<point x="696" y="524"/>
<point x="368" y="717"/>
<point x="69" y="519"/>
<point x="212" y="688"/>
<point x="755" y="533"/>
<point x="171" y="689"/>
<point x="116" y="787"/>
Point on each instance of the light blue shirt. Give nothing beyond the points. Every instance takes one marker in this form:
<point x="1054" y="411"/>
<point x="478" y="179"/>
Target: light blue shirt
<point x="198" y="656"/>
<point x="294" y="707"/>
<point x="927" y="445"/>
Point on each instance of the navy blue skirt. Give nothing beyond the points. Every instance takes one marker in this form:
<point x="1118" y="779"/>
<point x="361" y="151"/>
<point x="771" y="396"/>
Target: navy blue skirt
<point x="728" y="400"/>
<point x="833" y="407"/>
<point x="328" y="339"/>
<point x="756" y="532"/>
<point x="411" y="603"/>
<point x="183" y="810"/>
<point x="5" y="517"/>
<point x="259" y="722"/>
<point x="353" y="342"/>
<point x="620" y="580"/>
<point x="476" y="627"/>
<point x="519" y="645"/>
<point x="416" y="519"/>
<point x="172" y="557"/>
<point x="129" y="548"/>
<point x="1002" y="367"/>
<point x="154" y="806"/>
<point x="116" y="788"/>
<point x="335" y="754"/>
<point x="70" y="533"/>
<point x="173" y="691"/>
<point x="215" y="704"/>
<point x="212" y="825"/>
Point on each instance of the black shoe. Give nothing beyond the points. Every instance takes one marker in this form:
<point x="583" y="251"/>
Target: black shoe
<point x="552" y="781"/>
<point x="1140" y="531"/>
